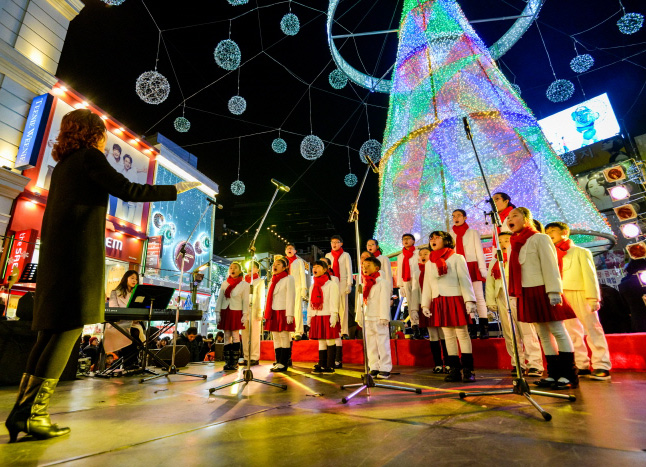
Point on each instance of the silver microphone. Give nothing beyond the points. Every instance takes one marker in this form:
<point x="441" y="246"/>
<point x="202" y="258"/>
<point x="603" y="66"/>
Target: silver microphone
<point x="280" y="186"/>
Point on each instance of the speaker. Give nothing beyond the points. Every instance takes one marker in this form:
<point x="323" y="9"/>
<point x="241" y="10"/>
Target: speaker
<point x="25" y="308"/>
<point x="182" y="355"/>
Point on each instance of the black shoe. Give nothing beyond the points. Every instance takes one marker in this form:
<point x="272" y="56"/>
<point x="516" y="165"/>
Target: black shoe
<point x="467" y="368"/>
<point x="438" y="369"/>
<point x="374" y="373"/>
<point x="454" y="375"/>
<point x="383" y="375"/>
<point x="568" y="372"/>
<point x="338" y="357"/>
<point x="584" y="372"/>
<point x="513" y="371"/>
<point x="534" y="373"/>
<point x="254" y="363"/>
<point x="243" y="363"/>
<point x="545" y="382"/>
<point x="318" y="370"/>
<point x="473" y="331"/>
<point x="328" y="371"/>
<point x="600" y="375"/>
<point x="468" y="376"/>
<point x="416" y="334"/>
<point x="552" y="372"/>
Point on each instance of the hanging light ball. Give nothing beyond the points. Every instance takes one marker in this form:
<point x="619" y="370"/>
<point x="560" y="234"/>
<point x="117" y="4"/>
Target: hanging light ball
<point x="237" y="2"/>
<point x="312" y="147"/>
<point x="279" y="145"/>
<point x="182" y="124"/>
<point x="630" y="23"/>
<point x="113" y="2"/>
<point x="237" y="187"/>
<point x="560" y="90"/>
<point x="338" y="79"/>
<point x="350" y="180"/>
<point x="516" y="88"/>
<point x="152" y="87"/>
<point x="290" y="24"/>
<point x="569" y="158"/>
<point x="227" y="54"/>
<point x="581" y="63"/>
<point x="237" y="105"/>
<point x="371" y="149"/>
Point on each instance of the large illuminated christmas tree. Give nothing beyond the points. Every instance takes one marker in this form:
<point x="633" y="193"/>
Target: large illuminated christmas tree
<point x="443" y="73"/>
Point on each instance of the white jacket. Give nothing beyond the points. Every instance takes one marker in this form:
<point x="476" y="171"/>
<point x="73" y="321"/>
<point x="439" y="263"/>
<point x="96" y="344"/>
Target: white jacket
<point x="345" y="273"/>
<point x="539" y="264"/>
<point x="239" y="298"/>
<point x="493" y="286"/>
<point x="455" y="283"/>
<point x="258" y="297"/>
<point x="386" y="269"/>
<point x="579" y="272"/>
<point x="283" y="296"/>
<point x="378" y="304"/>
<point x="330" y="301"/>
<point x="473" y="249"/>
<point x="414" y="269"/>
<point x="297" y="271"/>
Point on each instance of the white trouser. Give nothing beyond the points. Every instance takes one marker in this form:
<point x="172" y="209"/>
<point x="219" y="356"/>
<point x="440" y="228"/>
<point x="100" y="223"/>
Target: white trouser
<point x="481" y="304"/>
<point x="435" y="334"/>
<point x="554" y="338"/>
<point x="281" y="339"/>
<point x="255" y="340"/>
<point x="378" y="346"/>
<point x="298" y="315"/>
<point x="234" y="336"/>
<point x="412" y="300"/>
<point x="454" y="334"/>
<point x="324" y="343"/>
<point x="528" y="344"/>
<point x="343" y="311"/>
<point x="586" y="323"/>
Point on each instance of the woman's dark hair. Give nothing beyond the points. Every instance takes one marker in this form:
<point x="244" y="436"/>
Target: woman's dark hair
<point x="373" y="260"/>
<point x="538" y="226"/>
<point x="376" y="244"/>
<point x="322" y="263"/>
<point x="122" y="288"/>
<point x="505" y="197"/>
<point x="80" y="129"/>
<point x="461" y="211"/>
<point x="445" y="236"/>
<point x="285" y="262"/>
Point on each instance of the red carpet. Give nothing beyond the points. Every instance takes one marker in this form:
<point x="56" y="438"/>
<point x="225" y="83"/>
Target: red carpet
<point x="627" y="352"/>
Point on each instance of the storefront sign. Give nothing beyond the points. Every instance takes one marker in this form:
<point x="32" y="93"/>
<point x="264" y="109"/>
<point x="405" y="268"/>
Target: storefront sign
<point x="154" y="254"/>
<point x="123" y="247"/>
<point x="22" y="251"/>
<point x="32" y="136"/>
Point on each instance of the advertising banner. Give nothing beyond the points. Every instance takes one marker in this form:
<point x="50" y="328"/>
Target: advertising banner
<point x="32" y="136"/>
<point x="154" y="254"/>
<point x="22" y="251"/>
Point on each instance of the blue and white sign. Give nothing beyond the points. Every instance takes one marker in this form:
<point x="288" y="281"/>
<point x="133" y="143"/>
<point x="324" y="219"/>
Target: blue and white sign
<point x="34" y="130"/>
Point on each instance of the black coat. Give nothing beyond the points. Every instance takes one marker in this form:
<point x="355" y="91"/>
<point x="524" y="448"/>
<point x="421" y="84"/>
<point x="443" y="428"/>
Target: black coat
<point x="71" y="267"/>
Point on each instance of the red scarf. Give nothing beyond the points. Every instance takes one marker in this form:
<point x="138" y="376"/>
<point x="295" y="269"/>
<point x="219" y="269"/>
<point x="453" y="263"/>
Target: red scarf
<point x="495" y="271"/>
<point x="422" y="268"/>
<point x="291" y="259"/>
<point x="316" y="300"/>
<point x="335" y="263"/>
<point x="270" y="294"/>
<point x="232" y="285"/>
<point x="561" y="250"/>
<point x="515" y="273"/>
<point x="408" y="254"/>
<point x="250" y="279"/>
<point x="368" y="281"/>
<point x="439" y="257"/>
<point x="503" y="215"/>
<point x="459" y="231"/>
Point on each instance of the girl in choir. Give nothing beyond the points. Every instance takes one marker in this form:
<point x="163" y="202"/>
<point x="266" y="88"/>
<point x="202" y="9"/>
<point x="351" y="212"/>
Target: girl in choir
<point x="504" y="207"/>
<point x="448" y="300"/>
<point x="279" y="312"/>
<point x="323" y="316"/>
<point x="535" y="281"/>
<point x="233" y="306"/>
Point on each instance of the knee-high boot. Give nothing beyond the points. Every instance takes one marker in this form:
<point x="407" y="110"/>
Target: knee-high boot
<point x="445" y="356"/>
<point x="552" y="372"/>
<point x="280" y="366"/>
<point x="320" y="366"/>
<point x="436" y="351"/>
<point x="226" y="355"/>
<point x="235" y="355"/>
<point x="454" y="375"/>
<point x="467" y="368"/>
<point x="568" y="377"/>
<point x="338" y="356"/>
<point x="331" y="355"/>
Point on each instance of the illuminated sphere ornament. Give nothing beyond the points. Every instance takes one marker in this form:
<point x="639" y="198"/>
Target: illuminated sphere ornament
<point x="338" y="79"/>
<point x="312" y="147"/>
<point x="516" y="88"/>
<point x="237" y="2"/>
<point x="113" y="2"/>
<point x="560" y="90"/>
<point x="630" y="23"/>
<point x="227" y="55"/>
<point x="371" y="149"/>
<point x="582" y="63"/>
<point x="569" y="158"/>
<point x="237" y="105"/>
<point x="182" y="124"/>
<point x="279" y="145"/>
<point x="152" y="87"/>
<point x="237" y="187"/>
<point x="350" y="180"/>
<point x="290" y="24"/>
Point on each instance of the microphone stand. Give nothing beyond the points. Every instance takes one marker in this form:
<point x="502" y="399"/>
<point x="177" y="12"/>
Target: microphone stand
<point x="367" y="381"/>
<point x="520" y="386"/>
<point x="247" y="374"/>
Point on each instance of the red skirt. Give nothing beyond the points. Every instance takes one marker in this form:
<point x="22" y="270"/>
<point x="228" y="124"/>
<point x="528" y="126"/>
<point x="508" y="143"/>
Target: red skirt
<point x="449" y="311"/>
<point x="230" y="320"/>
<point x="425" y="322"/>
<point x="474" y="272"/>
<point x="320" y="328"/>
<point x="276" y="321"/>
<point x="534" y="307"/>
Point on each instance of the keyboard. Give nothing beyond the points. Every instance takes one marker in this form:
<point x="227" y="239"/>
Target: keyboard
<point x="136" y="314"/>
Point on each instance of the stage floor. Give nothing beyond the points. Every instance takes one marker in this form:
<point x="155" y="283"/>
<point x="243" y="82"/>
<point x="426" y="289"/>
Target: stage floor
<point x="160" y="423"/>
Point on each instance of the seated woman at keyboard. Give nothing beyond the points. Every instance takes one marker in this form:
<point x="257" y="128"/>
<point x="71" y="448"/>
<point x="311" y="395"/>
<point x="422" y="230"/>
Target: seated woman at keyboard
<point x="113" y="339"/>
<point x="120" y="296"/>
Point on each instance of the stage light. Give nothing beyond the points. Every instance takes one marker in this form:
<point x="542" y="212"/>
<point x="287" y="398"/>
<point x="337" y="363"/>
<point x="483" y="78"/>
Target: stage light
<point x="104" y="117"/>
<point x="641" y="275"/>
<point x="615" y="173"/>
<point x="625" y="212"/>
<point x="637" y="250"/>
<point x="630" y="230"/>
<point x="618" y="193"/>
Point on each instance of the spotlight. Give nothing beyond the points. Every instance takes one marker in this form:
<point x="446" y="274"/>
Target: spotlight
<point x="619" y="192"/>
<point x="614" y="173"/>
<point x="625" y="212"/>
<point x="641" y="275"/>
<point x="637" y="250"/>
<point x="630" y="230"/>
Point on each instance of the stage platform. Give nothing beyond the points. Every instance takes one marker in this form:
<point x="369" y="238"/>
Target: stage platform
<point x="119" y="422"/>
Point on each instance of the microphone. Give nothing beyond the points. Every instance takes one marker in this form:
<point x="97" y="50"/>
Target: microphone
<point x="280" y="186"/>
<point x="213" y="202"/>
<point x="467" y="128"/>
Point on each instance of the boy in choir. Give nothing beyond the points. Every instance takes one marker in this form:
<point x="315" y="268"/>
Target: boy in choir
<point x="323" y="316"/>
<point x="448" y="301"/>
<point x="407" y="279"/>
<point x="297" y="271"/>
<point x="376" y="313"/>
<point x="257" y="302"/>
<point x="233" y="306"/>
<point x="372" y="246"/>
<point x="279" y="312"/>
<point x="468" y="244"/>
<point x="581" y="290"/>
<point x="526" y="338"/>
<point x="342" y="268"/>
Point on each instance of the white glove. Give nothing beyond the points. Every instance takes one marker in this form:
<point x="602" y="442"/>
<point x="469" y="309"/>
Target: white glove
<point x="471" y="309"/>
<point x="493" y="307"/>
<point x="245" y="318"/>
<point x="414" y="316"/>
<point x="483" y="272"/>
<point x="309" y="321"/>
<point x="427" y="312"/>
<point x="348" y="290"/>
<point x="594" y="304"/>
<point x="185" y="186"/>
<point x="334" y="318"/>
<point x="402" y="292"/>
<point x="290" y="319"/>
<point x="555" y="298"/>
<point x="304" y="294"/>
<point x="384" y="322"/>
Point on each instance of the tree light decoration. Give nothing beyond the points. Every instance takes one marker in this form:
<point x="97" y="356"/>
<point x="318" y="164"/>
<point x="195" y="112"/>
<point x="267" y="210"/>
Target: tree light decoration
<point x="237" y="105"/>
<point x="237" y="187"/>
<point x="350" y="180"/>
<point x="227" y="54"/>
<point x="338" y="79"/>
<point x="290" y="24"/>
<point x="152" y="87"/>
<point x="182" y="124"/>
<point x="630" y="23"/>
<point x="279" y="145"/>
<point x="312" y="147"/>
<point x="581" y="63"/>
<point x="237" y="2"/>
<point x="428" y="167"/>
<point x="371" y="149"/>
<point x="516" y="88"/>
<point x="113" y="2"/>
<point x="560" y="90"/>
